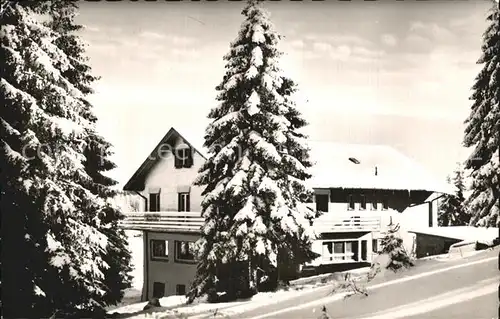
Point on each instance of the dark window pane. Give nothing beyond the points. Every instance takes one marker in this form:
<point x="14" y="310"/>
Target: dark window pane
<point x="322" y="203"/>
<point x="180" y="290"/>
<point x="154" y="202"/>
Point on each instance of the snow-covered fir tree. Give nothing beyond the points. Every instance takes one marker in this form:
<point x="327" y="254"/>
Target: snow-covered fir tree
<point x="97" y="151"/>
<point x="255" y="176"/>
<point x="55" y="252"/>
<point x="392" y="246"/>
<point x="483" y="130"/>
<point x="452" y="211"/>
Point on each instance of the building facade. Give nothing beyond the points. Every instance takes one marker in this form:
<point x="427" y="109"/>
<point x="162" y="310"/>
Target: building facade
<point x="359" y="189"/>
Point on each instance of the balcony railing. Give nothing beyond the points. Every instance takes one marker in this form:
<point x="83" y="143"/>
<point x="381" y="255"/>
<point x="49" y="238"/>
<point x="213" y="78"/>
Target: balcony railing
<point x="192" y="222"/>
<point x="163" y="221"/>
<point x="333" y="222"/>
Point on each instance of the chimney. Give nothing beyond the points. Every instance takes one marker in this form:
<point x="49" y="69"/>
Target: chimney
<point x="376" y="172"/>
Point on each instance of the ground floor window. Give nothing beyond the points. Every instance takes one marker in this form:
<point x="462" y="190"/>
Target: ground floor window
<point x="180" y="290"/>
<point x="184" y="251"/>
<point x="159" y="249"/>
<point x="340" y="251"/>
<point x="158" y="289"/>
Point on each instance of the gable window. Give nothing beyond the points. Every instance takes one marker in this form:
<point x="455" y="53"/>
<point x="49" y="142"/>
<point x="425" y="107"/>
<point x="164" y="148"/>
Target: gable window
<point x="184" y="251"/>
<point x="159" y="250"/>
<point x="154" y="202"/>
<point x="350" y="203"/>
<point x="362" y="204"/>
<point x="322" y="202"/>
<point x="183" y="202"/>
<point x="385" y="203"/>
<point x="374" y="204"/>
<point x="183" y="157"/>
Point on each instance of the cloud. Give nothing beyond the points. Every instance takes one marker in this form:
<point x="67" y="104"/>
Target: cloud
<point x="186" y="53"/>
<point x="338" y="39"/>
<point x="152" y="35"/>
<point x="344" y="52"/>
<point x="174" y="39"/>
<point x="433" y="31"/>
<point x="322" y="46"/>
<point x="297" y="44"/>
<point x="91" y="28"/>
<point x="389" y="40"/>
<point x="417" y="43"/>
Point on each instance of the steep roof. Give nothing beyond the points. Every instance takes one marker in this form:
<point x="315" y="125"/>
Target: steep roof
<point x="339" y="165"/>
<point x="195" y="143"/>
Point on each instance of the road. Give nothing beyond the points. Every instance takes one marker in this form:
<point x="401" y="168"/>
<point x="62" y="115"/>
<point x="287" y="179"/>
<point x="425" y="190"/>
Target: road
<point x="452" y="289"/>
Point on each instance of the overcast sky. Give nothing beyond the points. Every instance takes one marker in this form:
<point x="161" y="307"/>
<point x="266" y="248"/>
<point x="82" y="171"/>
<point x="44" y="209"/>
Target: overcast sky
<point x="396" y="73"/>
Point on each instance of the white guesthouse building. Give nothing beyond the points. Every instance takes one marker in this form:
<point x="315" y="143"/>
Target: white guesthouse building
<point x="360" y="189"/>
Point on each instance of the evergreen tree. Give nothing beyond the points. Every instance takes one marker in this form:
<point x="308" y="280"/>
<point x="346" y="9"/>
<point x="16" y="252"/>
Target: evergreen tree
<point x="392" y="246"/>
<point x="483" y="129"/>
<point x="452" y="211"/>
<point x="255" y="176"/>
<point x="55" y="251"/>
<point x="97" y="151"/>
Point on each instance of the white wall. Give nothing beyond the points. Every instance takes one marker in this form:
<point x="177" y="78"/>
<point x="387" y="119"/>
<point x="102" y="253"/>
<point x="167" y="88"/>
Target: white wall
<point x="165" y="176"/>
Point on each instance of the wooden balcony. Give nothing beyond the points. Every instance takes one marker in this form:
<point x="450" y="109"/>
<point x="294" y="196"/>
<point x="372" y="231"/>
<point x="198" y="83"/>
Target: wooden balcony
<point x="347" y="222"/>
<point x="191" y="222"/>
<point x="182" y="222"/>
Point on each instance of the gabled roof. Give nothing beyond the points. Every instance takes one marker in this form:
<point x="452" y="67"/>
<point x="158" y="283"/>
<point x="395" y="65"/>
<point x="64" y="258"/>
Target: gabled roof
<point x="339" y="165"/>
<point x="196" y="144"/>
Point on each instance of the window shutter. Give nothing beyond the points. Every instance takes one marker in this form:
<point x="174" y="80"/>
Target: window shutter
<point x="177" y="159"/>
<point x="179" y="201"/>
<point x="189" y="155"/>
<point x="188" y="204"/>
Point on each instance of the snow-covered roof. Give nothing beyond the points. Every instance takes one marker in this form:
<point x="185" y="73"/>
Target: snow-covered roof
<point x="467" y="233"/>
<point x="368" y="166"/>
<point x="339" y="165"/>
<point x="194" y="142"/>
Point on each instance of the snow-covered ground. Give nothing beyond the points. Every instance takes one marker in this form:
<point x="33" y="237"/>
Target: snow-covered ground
<point x="174" y="306"/>
<point x="136" y="247"/>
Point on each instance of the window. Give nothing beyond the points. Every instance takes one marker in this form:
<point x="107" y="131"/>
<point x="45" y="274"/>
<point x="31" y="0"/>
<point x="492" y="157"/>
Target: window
<point x="180" y="290"/>
<point x="184" y="251"/>
<point x="158" y="289"/>
<point x="374" y="204"/>
<point x="362" y="204"/>
<point x="340" y="250"/>
<point x="183" y="158"/>
<point x="364" y="250"/>
<point x="322" y="202"/>
<point x="159" y="250"/>
<point x="385" y="203"/>
<point x="183" y="202"/>
<point x="154" y="202"/>
<point x="375" y="246"/>
<point x="350" y="203"/>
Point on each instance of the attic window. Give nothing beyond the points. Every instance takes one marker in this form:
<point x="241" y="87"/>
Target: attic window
<point x="354" y="160"/>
